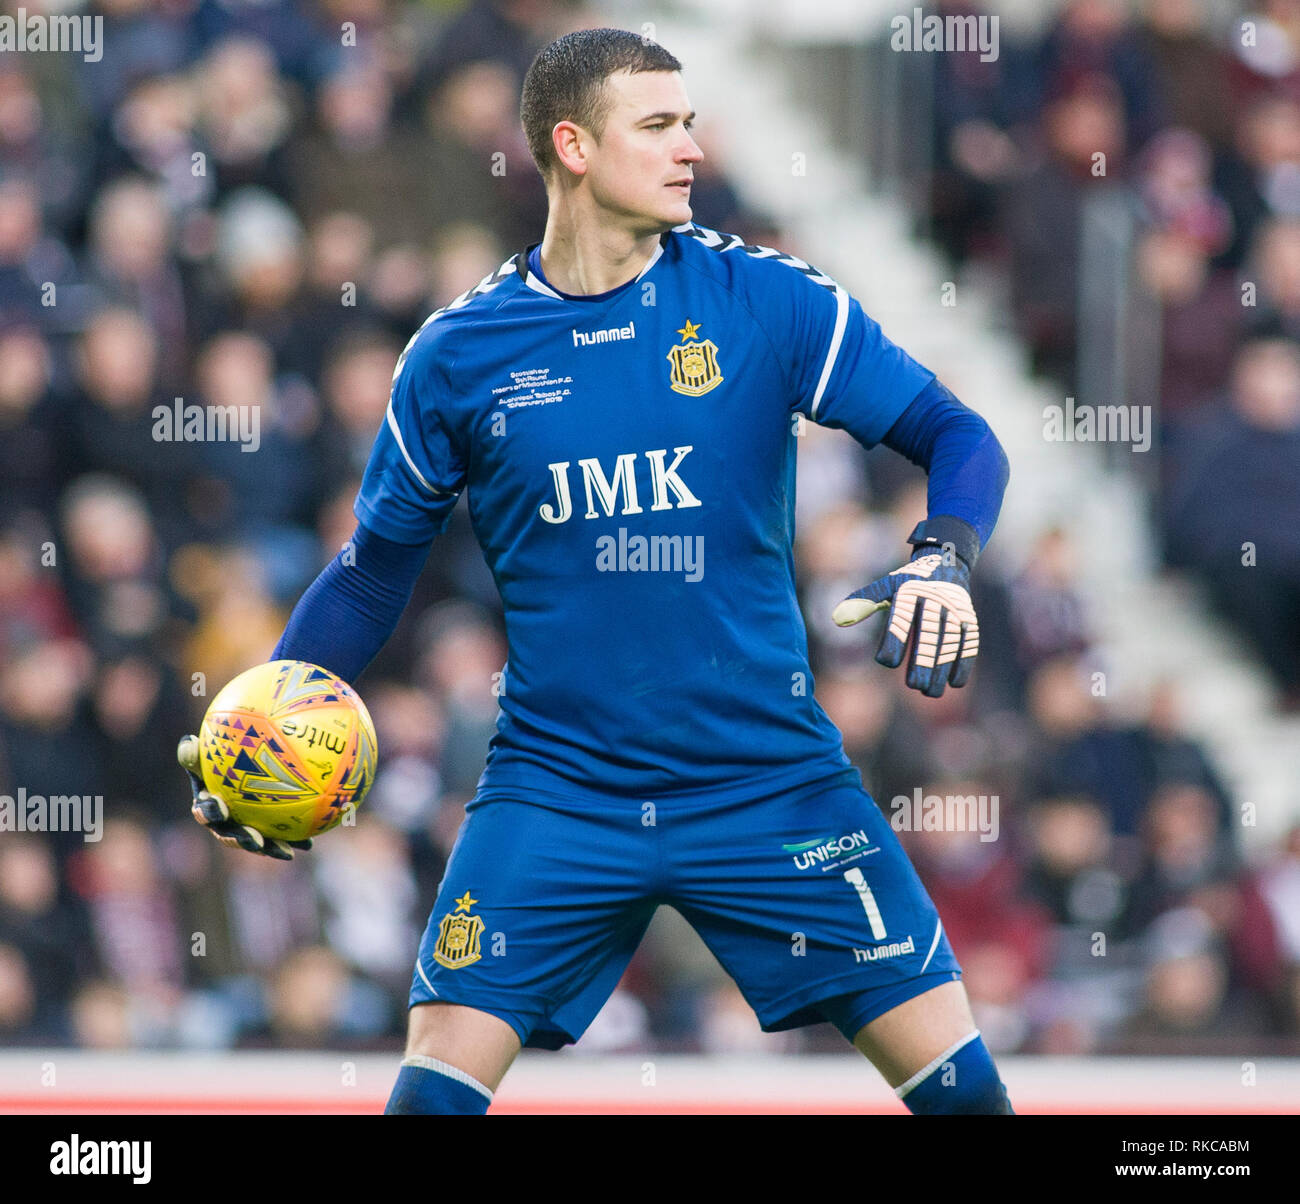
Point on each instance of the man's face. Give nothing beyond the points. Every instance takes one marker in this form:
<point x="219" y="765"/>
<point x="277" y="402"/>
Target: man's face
<point x="645" y="161"/>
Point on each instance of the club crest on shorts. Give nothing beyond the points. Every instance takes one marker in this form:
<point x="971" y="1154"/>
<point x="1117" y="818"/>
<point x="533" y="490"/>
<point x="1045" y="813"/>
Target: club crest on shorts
<point x="695" y="367"/>
<point x="458" y="936"/>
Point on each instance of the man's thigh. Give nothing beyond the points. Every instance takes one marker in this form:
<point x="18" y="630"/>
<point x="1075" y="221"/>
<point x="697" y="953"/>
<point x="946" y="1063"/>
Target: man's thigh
<point x="907" y="1038"/>
<point x="479" y="1043"/>
<point x="540" y="908"/>
<point x="807" y="896"/>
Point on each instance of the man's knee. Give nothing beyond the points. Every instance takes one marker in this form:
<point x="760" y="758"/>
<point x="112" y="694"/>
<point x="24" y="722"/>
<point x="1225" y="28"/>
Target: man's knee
<point x="476" y="1042"/>
<point x="455" y="1059"/>
<point x="961" y="1081"/>
<point x="931" y="1053"/>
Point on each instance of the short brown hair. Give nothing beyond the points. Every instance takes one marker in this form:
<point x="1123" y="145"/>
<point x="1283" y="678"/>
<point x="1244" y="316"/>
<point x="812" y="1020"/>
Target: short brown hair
<point x="567" y="83"/>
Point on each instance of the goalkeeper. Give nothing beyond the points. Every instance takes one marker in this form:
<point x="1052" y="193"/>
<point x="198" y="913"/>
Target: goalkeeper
<point x="621" y="405"/>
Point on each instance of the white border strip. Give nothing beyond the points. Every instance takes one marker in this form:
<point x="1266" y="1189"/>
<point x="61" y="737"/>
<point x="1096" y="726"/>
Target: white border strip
<point x="929" y="1069"/>
<point x="841" y="320"/>
<point x="446" y="1068"/>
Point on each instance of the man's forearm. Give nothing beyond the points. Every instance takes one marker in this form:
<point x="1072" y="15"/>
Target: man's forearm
<point x="347" y="614"/>
<point x="968" y="470"/>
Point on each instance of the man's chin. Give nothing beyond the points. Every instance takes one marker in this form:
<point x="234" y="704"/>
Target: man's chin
<point x="674" y="215"/>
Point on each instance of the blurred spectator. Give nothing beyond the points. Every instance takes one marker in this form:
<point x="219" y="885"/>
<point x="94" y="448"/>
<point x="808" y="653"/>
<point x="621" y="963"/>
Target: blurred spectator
<point x="1261" y="177"/>
<point x="32" y="452"/>
<point x="1275" y="270"/>
<point x="1092" y="39"/>
<point x="263" y="477"/>
<point x="983" y="112"/>
<point x="1071" y="870"/>
<point x="358" y="378"/>
<point x="1188" y="1003"/>
<point x="509" y="32"/>
<point x="474" y="119"/>
<point x="133" y="916"/>
<point x="1120" y="764"/>
<point x="1201" y="319"/>
<point x="370" y="903"/>
<point x="462" y="661"/>
<point x="154" y="135"/>
<point x="1047" y="613"/>
<point x="101" y="1017"/>
<point x="1193" y="72"/>
<point x="238" y="624"/>
<point x="354" y="162"/>
<point x="140" y="38"/>
<point x="114" y="571"/>
<point x="35" y="147"/>
<point x="272" y="909"/>
<point x="1183" y="851"/>
<point x="50" y="934"/>
<point x="130" y="265"/>
<point x="113" y="423"/>
<point x="18" y="1014"/>
<point x="32" y="605"/>
<point x="24" y="262"/>
<point x="1085" y="135"/>
<point x="315" y="1003"/>
<point x="1233" y="504"/>
<point x="46" y="744"/>
<point x="245" y="115"/>
<point x="883" y="738"/>
<point x="137" y="707"/>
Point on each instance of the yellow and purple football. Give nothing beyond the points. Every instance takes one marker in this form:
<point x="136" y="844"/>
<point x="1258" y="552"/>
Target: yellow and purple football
<point x="289" y="747"/>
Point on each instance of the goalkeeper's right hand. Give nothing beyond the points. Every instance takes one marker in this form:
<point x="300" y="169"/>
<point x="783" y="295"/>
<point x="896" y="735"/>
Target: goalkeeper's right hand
<point x="214" y="815"/>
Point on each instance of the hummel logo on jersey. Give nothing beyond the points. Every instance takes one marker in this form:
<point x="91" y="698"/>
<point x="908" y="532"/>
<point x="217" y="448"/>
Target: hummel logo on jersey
<point x="614" y="334"/>
<point x="600" y="488"/>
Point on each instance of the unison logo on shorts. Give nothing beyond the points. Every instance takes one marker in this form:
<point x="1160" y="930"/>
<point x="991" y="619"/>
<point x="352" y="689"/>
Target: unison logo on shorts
<point x="828" y="854"/>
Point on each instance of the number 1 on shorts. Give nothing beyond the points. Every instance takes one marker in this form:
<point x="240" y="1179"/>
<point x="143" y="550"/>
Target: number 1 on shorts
<point x="854" y="877"/>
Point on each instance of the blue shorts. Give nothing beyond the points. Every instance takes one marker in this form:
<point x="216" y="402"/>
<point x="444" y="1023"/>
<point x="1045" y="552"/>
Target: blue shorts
<point x="805" y="897"/>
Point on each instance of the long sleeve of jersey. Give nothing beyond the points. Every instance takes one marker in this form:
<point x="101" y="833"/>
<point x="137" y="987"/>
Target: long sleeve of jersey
<point x="845" y="373"/>
<point x="347" y="614"/>
<point x="968" y="470"/>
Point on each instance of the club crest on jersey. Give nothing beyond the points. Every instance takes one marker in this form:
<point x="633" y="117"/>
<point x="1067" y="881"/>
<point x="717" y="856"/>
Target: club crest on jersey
<point x="694" y="363"/>
<point x="458" y="936"/>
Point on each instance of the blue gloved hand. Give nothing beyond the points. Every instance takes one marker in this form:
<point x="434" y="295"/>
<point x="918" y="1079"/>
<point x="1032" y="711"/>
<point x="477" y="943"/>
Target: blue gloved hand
<point x="931" y="596"/>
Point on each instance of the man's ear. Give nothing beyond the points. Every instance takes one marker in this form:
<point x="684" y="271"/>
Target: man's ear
<point x="571" y="141"/>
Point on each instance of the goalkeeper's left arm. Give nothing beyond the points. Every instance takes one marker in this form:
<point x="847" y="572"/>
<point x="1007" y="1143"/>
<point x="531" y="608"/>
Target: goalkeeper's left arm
<point x="928" y="598"/>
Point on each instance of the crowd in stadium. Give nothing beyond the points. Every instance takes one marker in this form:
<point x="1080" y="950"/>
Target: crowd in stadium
<point x="239" y="206"/>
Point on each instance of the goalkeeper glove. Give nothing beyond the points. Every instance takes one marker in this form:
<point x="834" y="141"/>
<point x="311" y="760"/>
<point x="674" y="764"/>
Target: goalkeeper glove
<point x="931" y="596"/>
<point x="214" y="814"/>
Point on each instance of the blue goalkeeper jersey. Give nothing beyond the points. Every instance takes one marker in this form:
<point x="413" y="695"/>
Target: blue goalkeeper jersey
<point x="630" y="466"/>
